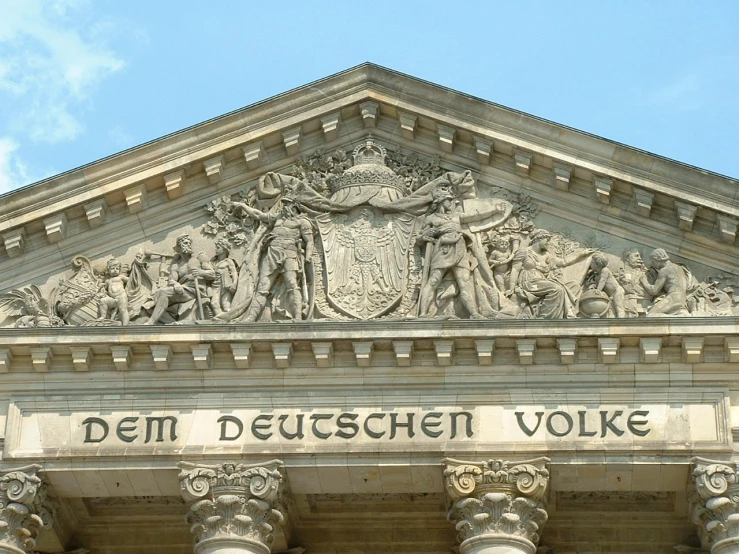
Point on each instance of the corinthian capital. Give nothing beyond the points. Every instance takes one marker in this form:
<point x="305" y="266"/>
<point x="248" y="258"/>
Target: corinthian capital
<point x="528" y="478"/>
<point x="496" y="502"/>
<point x="24" y="508"/>
<point x="715" y="507"/>
<point x="233" y="502"/>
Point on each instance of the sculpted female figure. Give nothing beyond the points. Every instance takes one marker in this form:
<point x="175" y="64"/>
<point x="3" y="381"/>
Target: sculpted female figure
<point x="533" y="272"/>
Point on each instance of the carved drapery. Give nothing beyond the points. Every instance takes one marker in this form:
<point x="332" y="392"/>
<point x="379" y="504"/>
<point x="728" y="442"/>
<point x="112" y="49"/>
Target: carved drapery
<point x="382" y="236"/>
<point x="715" y="504"/>
<point x="24" y="509"/>
<point x="497" y="506"/>
<point x="235" y="507"/>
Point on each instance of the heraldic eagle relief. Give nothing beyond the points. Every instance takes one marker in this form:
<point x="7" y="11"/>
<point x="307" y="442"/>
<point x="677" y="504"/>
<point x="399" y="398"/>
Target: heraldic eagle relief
<point x="374" y="235"/>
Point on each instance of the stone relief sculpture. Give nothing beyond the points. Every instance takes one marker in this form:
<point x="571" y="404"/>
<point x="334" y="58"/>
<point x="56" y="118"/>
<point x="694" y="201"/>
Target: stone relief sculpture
<point x="374" y="235"/>
<point x="288" y="249"/>
<point x="185" y="295"/>
<point x="539" y="283"/>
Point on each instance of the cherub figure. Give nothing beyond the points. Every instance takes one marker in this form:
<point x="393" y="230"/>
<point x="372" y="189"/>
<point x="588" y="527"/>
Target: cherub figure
<point x="607" y="283"/>
<point x="115" y="297"/>
<point x="499" y="259"/>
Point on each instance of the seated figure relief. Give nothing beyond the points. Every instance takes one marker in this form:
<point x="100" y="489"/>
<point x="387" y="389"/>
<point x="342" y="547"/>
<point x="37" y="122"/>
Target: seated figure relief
<point x="372" y="235"/>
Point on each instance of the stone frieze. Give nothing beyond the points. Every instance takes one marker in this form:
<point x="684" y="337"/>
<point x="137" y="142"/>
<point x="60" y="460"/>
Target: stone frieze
<point x="371" y="236"/>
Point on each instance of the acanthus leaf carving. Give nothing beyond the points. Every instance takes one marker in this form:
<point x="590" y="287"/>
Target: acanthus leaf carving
<point x="24" y="507"/>
<point x="233" y="500"/>
<point x="715" y="501"/>
<point x="497" y="497"/>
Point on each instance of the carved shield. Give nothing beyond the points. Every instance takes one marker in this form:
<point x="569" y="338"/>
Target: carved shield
<point x="365" y="260"/>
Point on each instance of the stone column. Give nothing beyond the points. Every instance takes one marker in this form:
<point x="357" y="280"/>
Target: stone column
<point x="497" y="507"/>
<point x="235" y="507"/>
<point x="24" y="509"/>
<point x="715" y="505"/>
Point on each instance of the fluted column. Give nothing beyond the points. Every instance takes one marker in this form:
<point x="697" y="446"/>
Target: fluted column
<point x="235" y="507"/>
<point x="497" y="507"/>
<point x="715" y="505"/>
<point x="24" y="509"/>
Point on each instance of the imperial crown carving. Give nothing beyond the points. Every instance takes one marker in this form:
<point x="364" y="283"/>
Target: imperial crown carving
<point x="369" y="169"/>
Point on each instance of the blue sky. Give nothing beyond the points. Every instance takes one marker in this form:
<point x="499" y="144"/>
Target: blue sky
<point x="84" y="79"/>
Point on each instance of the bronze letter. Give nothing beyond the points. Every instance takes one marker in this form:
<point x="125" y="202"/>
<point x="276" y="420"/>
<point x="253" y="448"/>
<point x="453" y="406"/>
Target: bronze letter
<point x="468" y="427"/>
<point x="425" y="425"/>
<point x="583" y="433"/>
<point x="89" y="422"/>
<point x="607" y="423"/>
<point x="161" y="421"/>
<point x="568" y="419"/>
<point x="256" y="428"/>
<point x="524" y="427"/>
<point x="370" y="432"/>
<point x="341" y="424"/>
<point x="298" y="431"/>
<point x="394" y="425"/>
<point x="316" y="418"/>
<point x="631" y="424"/>
<point x="223" y="420"/>
<point x="120" y="429"/>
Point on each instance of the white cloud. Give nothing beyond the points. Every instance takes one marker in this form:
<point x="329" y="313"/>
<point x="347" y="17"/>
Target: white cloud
<point x="684" y="93"/>
<point x="14" y="173"/>
<point x="50" y="63"/>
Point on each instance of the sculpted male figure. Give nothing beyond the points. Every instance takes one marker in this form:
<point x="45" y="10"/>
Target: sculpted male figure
<point x="670" y="286"/>
<point x="289" y="245"/>
<point x="226" y="277"/>
<point x="182" y="299"/>
<point x="443" y="229"/>
<point x="629" y="277"/>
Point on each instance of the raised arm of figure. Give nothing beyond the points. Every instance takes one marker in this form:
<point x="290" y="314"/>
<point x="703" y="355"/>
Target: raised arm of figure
<point x="573" y="258"/>
<point x="252" y="212"/>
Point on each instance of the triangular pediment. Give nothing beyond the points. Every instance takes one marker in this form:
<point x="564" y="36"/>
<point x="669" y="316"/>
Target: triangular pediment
<point x="588" y="193"/>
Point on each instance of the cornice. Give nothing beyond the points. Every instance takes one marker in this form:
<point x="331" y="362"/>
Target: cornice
<point x="674" y="349"/>
<point x="560" y="154"/>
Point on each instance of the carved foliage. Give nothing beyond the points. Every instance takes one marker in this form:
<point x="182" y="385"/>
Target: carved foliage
<point x="717" y="507"/>
<point x="497" y="497"/>
<point x="24" y="508"/>
<point x="528" y="478"/>
<point x="233" y="500"/>
<point x="498" y="513"/>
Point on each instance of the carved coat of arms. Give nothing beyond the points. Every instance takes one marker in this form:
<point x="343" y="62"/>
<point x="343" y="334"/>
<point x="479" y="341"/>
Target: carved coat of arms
<point x="366" y="260"/>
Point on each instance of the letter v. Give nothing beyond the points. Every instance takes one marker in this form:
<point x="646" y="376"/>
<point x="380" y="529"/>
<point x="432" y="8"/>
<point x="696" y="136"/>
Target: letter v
<point x="524" y="427"/>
